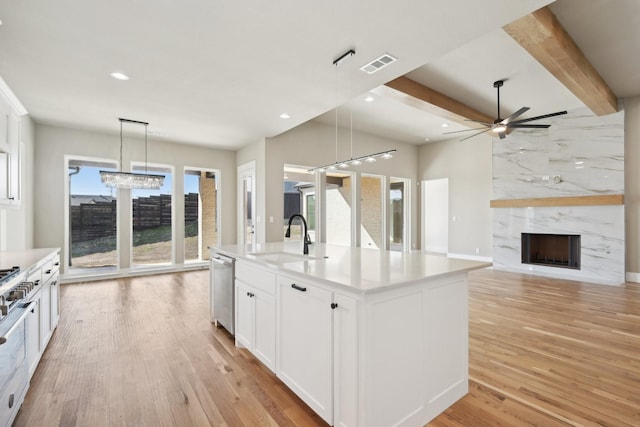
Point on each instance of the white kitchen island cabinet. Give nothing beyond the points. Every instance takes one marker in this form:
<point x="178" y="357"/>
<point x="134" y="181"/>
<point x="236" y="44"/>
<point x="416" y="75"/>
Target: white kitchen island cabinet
<point x="256" y="312"/>
<point x="366" y="337"/>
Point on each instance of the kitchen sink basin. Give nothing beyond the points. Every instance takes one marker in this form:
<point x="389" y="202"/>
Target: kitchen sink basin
<point x="282" y="257"/>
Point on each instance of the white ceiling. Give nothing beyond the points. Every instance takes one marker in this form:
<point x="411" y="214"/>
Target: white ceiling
<point x="607" y="31"/>
<point x="219" y="73"/>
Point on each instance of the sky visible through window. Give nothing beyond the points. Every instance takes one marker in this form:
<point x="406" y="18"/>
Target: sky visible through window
<point x="87" y="182"/>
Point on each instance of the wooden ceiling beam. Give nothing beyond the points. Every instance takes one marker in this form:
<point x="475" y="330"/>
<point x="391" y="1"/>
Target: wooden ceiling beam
<point x="542" y="35"/>
<point x="416" y="95"/>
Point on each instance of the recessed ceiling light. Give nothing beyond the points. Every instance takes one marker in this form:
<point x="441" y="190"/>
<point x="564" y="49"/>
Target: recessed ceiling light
<point x="285" y="116"/>
<point x="445" y="125"/>
<point x="427" y="139"/>
<point x="119" y="76"/>
<point x="369" y="98"/>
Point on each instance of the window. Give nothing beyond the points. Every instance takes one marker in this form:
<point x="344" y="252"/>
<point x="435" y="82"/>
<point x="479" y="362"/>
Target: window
<point x="299" y="197"/>
<point x="152" y="224"/>
<point x="93" y="225"/>
<point x="338" y="196"/>
<point x="398" y="214"/>
<point x="200" y="213"/>
<point x="371" y="211"/>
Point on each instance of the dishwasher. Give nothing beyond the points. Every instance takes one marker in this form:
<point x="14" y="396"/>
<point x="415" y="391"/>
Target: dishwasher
<point x="222" y="291"/>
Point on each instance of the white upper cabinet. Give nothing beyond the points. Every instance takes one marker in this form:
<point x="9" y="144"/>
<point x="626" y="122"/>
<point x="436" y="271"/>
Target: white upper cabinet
<point x="10" y="152"/>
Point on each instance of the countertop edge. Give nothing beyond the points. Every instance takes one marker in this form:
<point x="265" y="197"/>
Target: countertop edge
<point x="238" y="253"/>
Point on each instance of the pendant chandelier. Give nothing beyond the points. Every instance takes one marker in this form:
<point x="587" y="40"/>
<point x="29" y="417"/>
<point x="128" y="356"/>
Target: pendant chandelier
<point x="351" y="161"/>
<point x="144" y="180"/>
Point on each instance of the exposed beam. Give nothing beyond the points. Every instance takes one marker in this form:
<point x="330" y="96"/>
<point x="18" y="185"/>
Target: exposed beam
<point x="424" y="98"/>
<point x="542" y="35"/>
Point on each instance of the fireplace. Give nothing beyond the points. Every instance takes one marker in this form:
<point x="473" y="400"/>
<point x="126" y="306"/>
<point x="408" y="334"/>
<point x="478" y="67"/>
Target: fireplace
<point x="553" y="250"/>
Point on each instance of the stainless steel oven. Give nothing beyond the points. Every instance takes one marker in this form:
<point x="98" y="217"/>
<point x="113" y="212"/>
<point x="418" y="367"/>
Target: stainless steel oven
<point x="14" y="368"/>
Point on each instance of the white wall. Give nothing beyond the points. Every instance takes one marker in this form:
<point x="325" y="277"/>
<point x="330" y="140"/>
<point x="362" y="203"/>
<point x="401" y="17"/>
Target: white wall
<point x="16" y="222"/>
<point x="53" y="143"/>
<point x="313" y="144"/>
<point x="468" y="165"/>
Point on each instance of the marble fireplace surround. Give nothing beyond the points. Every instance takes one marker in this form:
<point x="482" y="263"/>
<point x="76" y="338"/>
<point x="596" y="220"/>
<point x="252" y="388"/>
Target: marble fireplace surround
<point x="600" y="226"/>
<point x="568" y="179"/>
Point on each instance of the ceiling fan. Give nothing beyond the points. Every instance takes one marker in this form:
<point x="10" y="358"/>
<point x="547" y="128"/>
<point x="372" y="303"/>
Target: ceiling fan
<point x="503" y="126"/>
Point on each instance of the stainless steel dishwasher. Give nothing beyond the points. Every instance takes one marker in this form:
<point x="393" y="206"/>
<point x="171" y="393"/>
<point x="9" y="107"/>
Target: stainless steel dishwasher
<point x="222" y="291"/>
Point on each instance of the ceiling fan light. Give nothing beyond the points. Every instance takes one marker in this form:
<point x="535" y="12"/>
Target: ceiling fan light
<point x="499" y="129"/>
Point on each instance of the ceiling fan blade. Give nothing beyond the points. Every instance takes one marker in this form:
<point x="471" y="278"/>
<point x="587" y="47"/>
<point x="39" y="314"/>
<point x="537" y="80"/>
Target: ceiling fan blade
<point x="519" y="126"/>
<point x="475" y="134"/>
<point x="544" y="116"/>
<point x="458" y="131"/>
<point x="514" y="115"/>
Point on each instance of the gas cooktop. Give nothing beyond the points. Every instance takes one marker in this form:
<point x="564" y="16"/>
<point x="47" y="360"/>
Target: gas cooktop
<point x="7" y="273"/>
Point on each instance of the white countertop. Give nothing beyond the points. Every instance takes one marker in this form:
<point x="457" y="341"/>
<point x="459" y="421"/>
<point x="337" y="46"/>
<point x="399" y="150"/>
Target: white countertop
<point x="23" y="259"/>
<point x="355" y="269"/>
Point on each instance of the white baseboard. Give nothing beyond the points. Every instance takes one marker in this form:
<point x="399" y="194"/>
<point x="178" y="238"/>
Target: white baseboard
<point x="470" y="257"/>
<point x="632" y="277"/>
<point x="132" y="272"/>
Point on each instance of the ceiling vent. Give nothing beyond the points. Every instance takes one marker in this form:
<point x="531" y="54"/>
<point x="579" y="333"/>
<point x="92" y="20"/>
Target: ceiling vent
<point x="378" y="63"/>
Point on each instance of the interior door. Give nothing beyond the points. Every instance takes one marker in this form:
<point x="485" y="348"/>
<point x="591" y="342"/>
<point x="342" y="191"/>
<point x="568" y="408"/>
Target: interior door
<point x="435" y="217"/>
<point x="247" y="203"/>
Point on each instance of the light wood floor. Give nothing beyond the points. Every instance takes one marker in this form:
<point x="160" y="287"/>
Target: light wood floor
<point x="142" y="352"/>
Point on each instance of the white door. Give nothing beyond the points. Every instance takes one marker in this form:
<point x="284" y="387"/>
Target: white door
<point x="345" y="361"/>
<point x="435" y="215"/>
<point x="244" y="315"/>
<point x="246" y="203"/>
<point x="264" y="337"/>
<point x="305" y="350"/>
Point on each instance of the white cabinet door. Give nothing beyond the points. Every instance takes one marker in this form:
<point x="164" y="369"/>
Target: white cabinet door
<point x="264" y="337"/>
<point x="10" y="185"/>
<point x="256" y="323"/>
<point x="244" y="315"/>
<point x="305" y="339"/>
<point x="55" y="302"/>
<point x="345" y="361"/>
<point x="45" y="315"/>
<point x="33" y="334"/>
<point x="5" y="117"/>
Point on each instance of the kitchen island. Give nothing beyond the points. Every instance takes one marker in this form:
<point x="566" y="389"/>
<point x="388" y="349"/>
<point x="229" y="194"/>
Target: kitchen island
<point x="364" y="337"/>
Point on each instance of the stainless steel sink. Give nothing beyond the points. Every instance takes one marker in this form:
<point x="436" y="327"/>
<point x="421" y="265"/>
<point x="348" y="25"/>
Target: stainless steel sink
<point x="282" y="257"/>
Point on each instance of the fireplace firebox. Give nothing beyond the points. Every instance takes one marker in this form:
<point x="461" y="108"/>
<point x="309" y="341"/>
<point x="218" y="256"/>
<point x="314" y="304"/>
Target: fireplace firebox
<point x="553" y="250"/>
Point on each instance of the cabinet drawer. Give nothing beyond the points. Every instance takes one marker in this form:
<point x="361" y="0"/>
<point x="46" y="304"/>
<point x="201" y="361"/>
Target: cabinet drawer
<point x="35" y="276"/>
<point x="55" y="262"/>
<point x="259" y="278"/>
<point x="47" y="270"/>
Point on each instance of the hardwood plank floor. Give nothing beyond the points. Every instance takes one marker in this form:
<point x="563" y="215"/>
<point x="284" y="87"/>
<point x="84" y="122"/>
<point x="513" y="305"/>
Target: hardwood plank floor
<point x="142" y="352"/>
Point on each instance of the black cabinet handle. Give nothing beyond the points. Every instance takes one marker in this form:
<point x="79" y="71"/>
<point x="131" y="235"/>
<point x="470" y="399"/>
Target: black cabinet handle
<point x="251" y="294"/>
<point x="36" y="283"/>
<point x="334" y="305"/>
<point x="47" y="272"/>
<point x="298" y="288"/>
<point x="56" y="264"/>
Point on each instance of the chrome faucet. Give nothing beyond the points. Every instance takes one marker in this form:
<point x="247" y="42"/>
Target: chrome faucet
<point x="305" y="236"/>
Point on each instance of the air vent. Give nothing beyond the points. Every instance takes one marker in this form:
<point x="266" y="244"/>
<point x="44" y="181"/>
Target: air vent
<point x="378" y="63"/>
